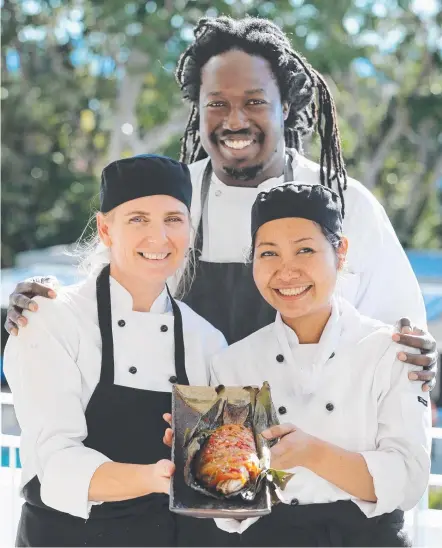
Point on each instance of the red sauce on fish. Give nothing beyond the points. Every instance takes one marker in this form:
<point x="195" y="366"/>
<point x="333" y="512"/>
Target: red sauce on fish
<point x="229" y="454"/>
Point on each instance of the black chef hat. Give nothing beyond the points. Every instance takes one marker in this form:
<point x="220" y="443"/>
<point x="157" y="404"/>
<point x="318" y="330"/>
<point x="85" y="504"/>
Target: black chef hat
<point x="314" y="202"/>
<point x="144" y="175"/>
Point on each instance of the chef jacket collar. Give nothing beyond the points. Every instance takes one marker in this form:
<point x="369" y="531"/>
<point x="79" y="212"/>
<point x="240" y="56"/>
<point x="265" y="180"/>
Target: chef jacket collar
<point x="124" y="300"/>
<point x="265" y="185"/>
<point x="307" y="381"/>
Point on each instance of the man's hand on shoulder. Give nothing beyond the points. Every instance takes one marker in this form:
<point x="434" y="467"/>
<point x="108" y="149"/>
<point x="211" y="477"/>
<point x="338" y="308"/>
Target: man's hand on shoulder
<point x="414" y="337"/>
<point x="21" y="299"/>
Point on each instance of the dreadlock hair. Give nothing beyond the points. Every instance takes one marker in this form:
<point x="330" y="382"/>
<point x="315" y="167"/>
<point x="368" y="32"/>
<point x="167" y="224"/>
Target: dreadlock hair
<point x="311" y="104"/>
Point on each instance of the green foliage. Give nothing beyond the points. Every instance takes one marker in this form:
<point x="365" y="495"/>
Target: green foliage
<point x="48" y="133"/>
<point x="381" y="59"/>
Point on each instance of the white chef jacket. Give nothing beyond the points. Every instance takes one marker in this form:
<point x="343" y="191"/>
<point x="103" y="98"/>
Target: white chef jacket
<point x="379" y="282"/>
<point x="360" y="399"/>
<point x="54" y="365"/>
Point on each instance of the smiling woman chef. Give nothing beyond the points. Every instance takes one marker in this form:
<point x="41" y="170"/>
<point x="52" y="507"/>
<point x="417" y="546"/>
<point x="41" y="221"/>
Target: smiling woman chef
<point x="359" y="447"/>
<point x="92" y="375"/>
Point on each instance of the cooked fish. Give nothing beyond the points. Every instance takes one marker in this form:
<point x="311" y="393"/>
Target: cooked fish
<point x="228" y="460"/>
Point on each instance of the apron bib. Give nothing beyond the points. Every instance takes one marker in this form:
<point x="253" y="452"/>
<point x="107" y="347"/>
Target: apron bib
<point x="126" y="425"/>
<point x="225" y="293"/>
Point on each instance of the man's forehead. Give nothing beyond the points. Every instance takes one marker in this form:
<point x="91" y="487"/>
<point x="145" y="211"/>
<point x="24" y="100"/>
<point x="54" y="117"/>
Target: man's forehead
<point x="237" y="71"/>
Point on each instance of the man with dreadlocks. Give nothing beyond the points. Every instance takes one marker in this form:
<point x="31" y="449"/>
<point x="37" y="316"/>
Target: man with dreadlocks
<point x="253" y="99"/>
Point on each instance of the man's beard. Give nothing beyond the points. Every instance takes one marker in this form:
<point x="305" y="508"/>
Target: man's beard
<point x="244" y="173"/>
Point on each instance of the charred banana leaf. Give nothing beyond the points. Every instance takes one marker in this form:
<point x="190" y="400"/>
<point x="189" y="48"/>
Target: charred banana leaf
<point x="225" y="454"/>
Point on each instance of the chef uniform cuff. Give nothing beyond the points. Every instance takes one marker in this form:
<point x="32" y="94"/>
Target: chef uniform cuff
<point x="389" y="479"/>
<point x="66" y="479"/>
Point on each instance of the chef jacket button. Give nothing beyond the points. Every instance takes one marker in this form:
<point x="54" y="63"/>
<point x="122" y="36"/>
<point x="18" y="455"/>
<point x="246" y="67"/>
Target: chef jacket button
<point x="133" y="370"/>
<point x="218" y="193"/>
<point x="329" y="406"/>
<point x="164" y="328"/>
<point x="121" y="323"/>
<point x="282" y="410"/>
<point x="280" y="358"/>
<point x="294" y="502"/>
<point x="173" y="379"/>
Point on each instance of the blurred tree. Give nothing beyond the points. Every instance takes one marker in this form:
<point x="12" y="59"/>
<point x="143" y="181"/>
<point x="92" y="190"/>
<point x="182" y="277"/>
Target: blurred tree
<point x="114" y="94"/>
<point x="50" y="130"/>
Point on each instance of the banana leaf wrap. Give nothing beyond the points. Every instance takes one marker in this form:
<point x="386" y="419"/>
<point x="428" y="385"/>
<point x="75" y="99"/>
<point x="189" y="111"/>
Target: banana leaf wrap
<point x="255" y="413"/>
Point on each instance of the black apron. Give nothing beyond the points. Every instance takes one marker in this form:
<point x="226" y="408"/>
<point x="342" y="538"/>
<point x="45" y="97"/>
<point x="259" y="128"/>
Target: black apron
<point x="339" y="523"/>
<point x="126" y="425"/>
<point x="225" y="293"/>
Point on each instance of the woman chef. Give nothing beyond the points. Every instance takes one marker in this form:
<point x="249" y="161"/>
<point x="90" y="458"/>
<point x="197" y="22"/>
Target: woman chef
<point x="92" y="375"/>
<point x="358" y="446"/>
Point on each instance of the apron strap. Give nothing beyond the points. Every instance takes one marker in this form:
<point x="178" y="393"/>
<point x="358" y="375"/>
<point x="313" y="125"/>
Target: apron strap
<point x="288" y="168"/>
<point x="205" y="184"/>
<point x="180" y="354"/>
<point x="105" y="323"/>
<point x="107" y="375"/>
